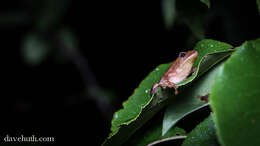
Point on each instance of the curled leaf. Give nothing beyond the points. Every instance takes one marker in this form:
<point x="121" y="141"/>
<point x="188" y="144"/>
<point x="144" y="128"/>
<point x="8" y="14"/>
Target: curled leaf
<point x="141" y="106"/>
<point x="210" y="53"/>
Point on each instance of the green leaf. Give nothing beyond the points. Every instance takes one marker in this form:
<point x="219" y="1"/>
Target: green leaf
<point x="188" y="101"/>
<point x="35" y="49"/>
<point x="235" y="97"/>
<point x="151" y="134"/>
<point x="207" y="2"/>
<point x="141" y="97"/>
<point x="210" y="53"/>
<point x="174" y="140"/>
<point x="140" y="107"/>
<point x="203" y="135"/>
<point x="258" y="5"/>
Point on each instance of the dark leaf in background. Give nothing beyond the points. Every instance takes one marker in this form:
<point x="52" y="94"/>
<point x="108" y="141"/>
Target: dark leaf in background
<point x="49" y="14"/>
<point x="258" y="5"/>
<point x="35" y="49"/>
<point x="190" y="13"/>
<point x="207" y="2"/>
<point x="169" y="12"/>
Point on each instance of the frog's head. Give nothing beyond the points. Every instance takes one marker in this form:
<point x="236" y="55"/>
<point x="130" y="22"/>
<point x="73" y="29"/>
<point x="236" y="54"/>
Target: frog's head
<point x="188" y="56"/>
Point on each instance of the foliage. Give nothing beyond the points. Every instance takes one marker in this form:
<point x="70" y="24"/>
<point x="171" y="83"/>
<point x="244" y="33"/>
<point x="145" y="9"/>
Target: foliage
<point x="231" y="83"/>
<point x="202" y="135"/>
<point x="141" y="106"/>
<point x="227" y="74"/>
<point x="224" y="92"/>
<point x="235" y="97"/>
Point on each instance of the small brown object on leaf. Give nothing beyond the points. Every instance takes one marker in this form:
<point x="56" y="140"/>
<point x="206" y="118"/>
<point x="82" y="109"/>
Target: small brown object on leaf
<point x="204" y="97"/>
<point x="180" y="69"/>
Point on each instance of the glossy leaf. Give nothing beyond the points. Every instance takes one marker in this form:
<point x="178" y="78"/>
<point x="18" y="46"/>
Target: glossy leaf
<point x="152" y="134"/>
<point x="175" y="140"/>
<point x="127" y="120"/>
<point x="235" y="97"/>
<point x="188" y="101"/>
<point x="203" y="134"/>
<point x="210" y="53"/>
<point x="140" y="107"/>
<point x="141" y="97"/>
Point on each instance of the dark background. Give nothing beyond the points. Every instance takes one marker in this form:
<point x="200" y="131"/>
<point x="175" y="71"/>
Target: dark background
<point x="120" y="42"/>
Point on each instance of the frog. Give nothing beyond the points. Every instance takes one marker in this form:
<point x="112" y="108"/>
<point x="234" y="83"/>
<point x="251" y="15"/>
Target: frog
<point x="180" y="69"/>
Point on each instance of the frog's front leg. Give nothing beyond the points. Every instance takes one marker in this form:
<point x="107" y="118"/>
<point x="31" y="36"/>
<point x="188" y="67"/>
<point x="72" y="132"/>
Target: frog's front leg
<point x="155" y="86"/>
<point x="193" y="70"/>
<point x="167" y="84"/>
<point x="174" y="86"/>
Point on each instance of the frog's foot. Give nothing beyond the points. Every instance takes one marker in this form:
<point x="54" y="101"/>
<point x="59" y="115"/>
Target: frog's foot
<point x="174" y="86"/>
<point x="169" y="85"/>
<point x="155" y="86"/>
<point x="193" y="70"/>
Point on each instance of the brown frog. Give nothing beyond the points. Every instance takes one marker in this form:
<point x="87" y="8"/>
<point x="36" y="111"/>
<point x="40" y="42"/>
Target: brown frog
<point x="178" y="71"/>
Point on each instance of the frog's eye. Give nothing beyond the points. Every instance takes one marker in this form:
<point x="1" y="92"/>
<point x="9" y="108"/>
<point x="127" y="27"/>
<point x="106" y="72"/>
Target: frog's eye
<point x="182" y="54"/>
